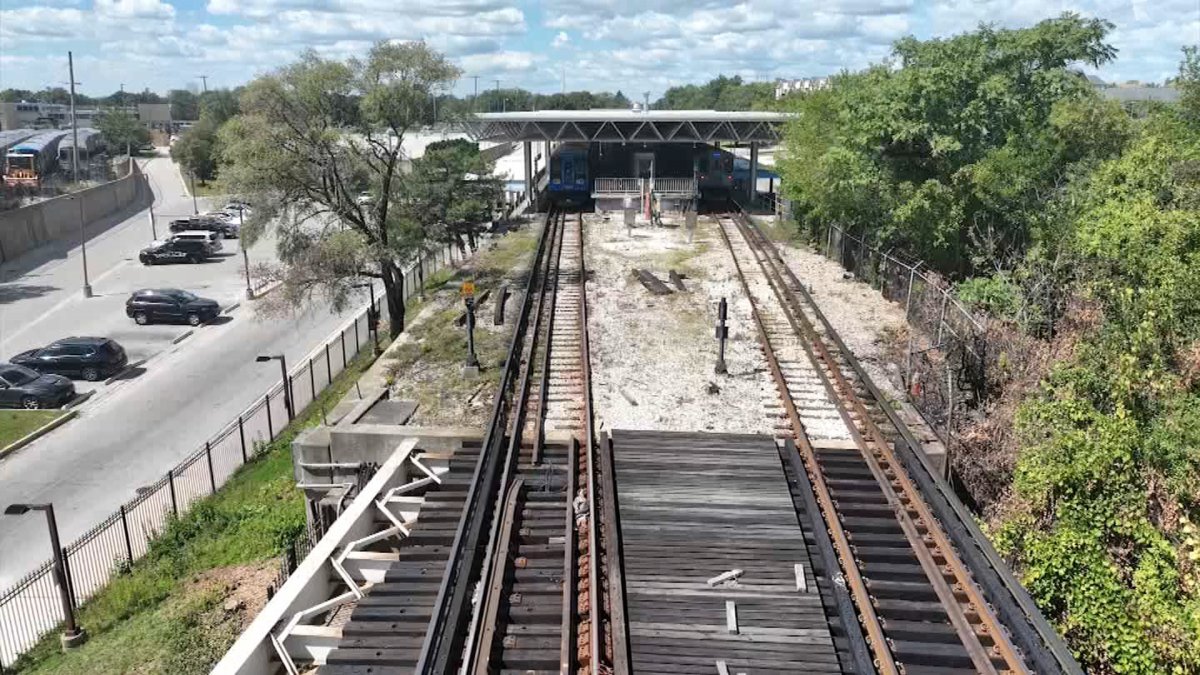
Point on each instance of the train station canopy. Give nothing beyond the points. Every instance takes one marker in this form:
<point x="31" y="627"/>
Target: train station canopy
<point x="621" y="126"/>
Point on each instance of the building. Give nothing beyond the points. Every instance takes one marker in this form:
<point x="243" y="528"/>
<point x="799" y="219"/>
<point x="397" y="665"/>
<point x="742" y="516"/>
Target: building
<point x="803" y="84"/>
<point x="35" y="115"/>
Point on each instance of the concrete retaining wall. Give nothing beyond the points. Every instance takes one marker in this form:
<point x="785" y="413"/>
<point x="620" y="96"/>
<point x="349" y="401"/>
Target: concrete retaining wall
<point x="24" y="229"/>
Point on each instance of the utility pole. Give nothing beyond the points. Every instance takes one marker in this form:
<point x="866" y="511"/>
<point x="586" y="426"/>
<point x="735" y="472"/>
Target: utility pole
<point x="564" y="78"/>
<point x="204" y="79"/>
<point x="497" y="90"/>
<point x="74" y="125"/>
<point x="475" y="99"/>
<point x="646" y="98"/>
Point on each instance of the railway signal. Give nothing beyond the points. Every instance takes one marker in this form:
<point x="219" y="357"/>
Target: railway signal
<point x="722" y="336"/>
<point x="468" y="293"/>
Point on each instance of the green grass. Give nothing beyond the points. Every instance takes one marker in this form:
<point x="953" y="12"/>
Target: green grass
<point x="154" y="618"/>
<point x="16" y="424"/>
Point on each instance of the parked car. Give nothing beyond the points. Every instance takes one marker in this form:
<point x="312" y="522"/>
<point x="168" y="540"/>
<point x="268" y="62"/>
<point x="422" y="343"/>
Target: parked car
<point x="22" y="387"/>
<point x="236" y="207"/>
<point x="213" y="238"/>
<point x="226" y="229"/>
<point x="88" y="358"/>
<point x="176" y="251"/>
<point x="170" y="305"/>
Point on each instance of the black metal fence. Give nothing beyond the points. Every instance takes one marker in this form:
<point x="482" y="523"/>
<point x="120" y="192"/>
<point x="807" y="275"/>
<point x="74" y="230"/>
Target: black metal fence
<point x="31" y="607"/>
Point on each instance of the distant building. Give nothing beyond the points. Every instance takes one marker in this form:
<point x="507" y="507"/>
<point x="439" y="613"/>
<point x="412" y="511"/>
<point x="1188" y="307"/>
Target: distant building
<point x="1133" y="91"/>
<point x="803" y="84"/>
<point x="34" y="115"/>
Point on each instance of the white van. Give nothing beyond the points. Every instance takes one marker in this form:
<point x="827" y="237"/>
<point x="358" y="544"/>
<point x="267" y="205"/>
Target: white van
<point x="213" y="238"/>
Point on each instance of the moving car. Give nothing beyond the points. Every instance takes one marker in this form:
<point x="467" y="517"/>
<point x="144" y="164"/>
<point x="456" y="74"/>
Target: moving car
<point x="88" y="358"/>
<point x="170" y="305"/>
<point x="21" y="387"/>
<point x="176" y="251"/>
<point x="213" y="238"/>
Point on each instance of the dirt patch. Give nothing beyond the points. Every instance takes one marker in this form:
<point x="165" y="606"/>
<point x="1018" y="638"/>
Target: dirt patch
<point x="243" y="587"/>
<point x="653" y="356"/>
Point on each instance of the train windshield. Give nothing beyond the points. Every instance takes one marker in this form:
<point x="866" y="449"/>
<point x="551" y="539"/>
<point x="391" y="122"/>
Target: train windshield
<point x="20" y="162"/>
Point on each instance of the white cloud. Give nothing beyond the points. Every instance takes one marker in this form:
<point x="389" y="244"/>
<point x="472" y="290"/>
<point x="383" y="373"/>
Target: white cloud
<point x="499" y="63"/>
<point x="561" y="39"/>
<point x="135" y="9"/>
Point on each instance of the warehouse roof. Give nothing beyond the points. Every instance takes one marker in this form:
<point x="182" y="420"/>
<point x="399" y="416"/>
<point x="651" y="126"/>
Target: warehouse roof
<point x="653" y="126"/>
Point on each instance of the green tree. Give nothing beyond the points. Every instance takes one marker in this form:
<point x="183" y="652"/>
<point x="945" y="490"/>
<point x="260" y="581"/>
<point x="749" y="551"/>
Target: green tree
<point x="313" y="136"/>
<point x="451" y="192"/>
<point x="121" y="130"/>
<point x="196" y="150"/>
<point x="184" y="105"/>
<point x="218" y="105"/>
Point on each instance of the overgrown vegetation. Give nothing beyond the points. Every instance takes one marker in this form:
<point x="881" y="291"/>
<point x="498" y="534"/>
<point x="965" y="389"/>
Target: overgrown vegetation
<point x="1076" y="226"/>
<point x="426" y="367"/>
<point x="166" y="615"/>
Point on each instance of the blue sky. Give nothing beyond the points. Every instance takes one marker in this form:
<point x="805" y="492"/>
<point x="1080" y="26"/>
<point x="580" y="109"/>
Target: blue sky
<point x="632" y="45"/>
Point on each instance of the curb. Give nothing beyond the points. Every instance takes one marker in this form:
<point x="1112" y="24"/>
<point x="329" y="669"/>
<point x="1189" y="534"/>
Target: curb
<point x="79" y="399"/>
<point x="228" y="310"/>
<point x="182" y="337"/>
<point x="124" y="370"/>
<point x="38" y="433"/>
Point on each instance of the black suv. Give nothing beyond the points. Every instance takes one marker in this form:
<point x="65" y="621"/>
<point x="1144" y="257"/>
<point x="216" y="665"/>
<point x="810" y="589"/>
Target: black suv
<point x="227" y="230"/>
<point x="176" y="251"/>
<point x="88" y="358"/>
<point x="21" y="387"/>
<point x="170" y="305"/>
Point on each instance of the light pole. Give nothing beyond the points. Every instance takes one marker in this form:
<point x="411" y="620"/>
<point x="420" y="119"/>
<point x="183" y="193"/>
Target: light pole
<point x="72" y="635"/>
<point x="195" y="209"/>
<point x="87" y="287"/>
<point x="245" y="256"/>
<point x="153" y="229"/>
<point x="287" y="383"/>
<point x="372" y="315"/>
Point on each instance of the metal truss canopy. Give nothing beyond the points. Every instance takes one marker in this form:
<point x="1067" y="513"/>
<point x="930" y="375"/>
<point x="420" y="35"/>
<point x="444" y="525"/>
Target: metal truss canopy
<point x="629" y="126"/>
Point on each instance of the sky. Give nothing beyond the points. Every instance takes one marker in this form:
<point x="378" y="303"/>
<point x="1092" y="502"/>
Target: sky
<point x="633" y="45"/>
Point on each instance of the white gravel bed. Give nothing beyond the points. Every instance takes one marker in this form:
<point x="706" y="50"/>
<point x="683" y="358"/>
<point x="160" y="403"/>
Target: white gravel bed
<point x="859" y="313"/>
<point x="660" y="351"/>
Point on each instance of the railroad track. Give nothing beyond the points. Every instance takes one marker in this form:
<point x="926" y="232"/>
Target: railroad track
<point x="919" y="606"/>
<point x="527" y="537"/>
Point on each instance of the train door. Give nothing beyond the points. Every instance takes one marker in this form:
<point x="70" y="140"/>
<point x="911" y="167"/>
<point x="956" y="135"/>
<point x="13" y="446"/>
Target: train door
<point x="643" y="164"/>
<point x="569" y="169"/>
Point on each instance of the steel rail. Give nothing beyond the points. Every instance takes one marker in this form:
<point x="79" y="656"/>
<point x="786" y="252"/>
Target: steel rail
<point x="858" y="588"/>
<point x="591" y="444"/>
<point x="1044" y="646"/>
<point x="570" y="560"/>
<point x="515" y="436"/>
<point x="874" y="452"/>
<point x="491" y="606"/>
<point x="453" y="592"/>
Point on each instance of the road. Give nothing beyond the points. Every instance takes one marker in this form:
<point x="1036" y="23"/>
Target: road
<point x="134" y="428"/>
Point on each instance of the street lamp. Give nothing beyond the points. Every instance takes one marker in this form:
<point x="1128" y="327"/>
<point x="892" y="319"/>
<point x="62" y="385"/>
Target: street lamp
<point x="73" y="635"/>
<point x="87" y="287"/>
<point x="372" y="315"/>
<point x="195" y="208"/>
<point x="287" y="383"/>
<point x="245" y="254"/>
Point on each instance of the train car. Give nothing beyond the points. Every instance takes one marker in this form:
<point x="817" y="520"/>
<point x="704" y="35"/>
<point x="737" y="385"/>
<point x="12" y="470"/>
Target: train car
<point x="714" y="173"/>
<point x="12" y="137"/>
<point x="90" y="142"/>
<point x="31" y="160"/>
<point x="570" y="178"/>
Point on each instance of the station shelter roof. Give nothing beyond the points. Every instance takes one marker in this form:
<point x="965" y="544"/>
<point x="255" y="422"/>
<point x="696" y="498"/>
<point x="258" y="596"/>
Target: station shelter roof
<point x="653" y="126"/>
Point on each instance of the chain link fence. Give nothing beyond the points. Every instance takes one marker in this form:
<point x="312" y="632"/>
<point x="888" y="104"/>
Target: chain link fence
<point x="944" y="362"/>
<point x="31" y="607"/>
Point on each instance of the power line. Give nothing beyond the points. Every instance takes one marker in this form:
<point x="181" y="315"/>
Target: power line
<point x="204" y="79"/>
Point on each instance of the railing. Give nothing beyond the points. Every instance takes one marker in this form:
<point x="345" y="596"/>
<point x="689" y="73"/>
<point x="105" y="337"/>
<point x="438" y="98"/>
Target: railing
<point x="674" y="186"/>
<point x="31" y="607"/>
<point x="617" y="186"/>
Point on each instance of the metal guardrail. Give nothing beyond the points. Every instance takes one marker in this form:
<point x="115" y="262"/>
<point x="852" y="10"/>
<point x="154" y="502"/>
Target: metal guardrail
<point x="31" y="608"/>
